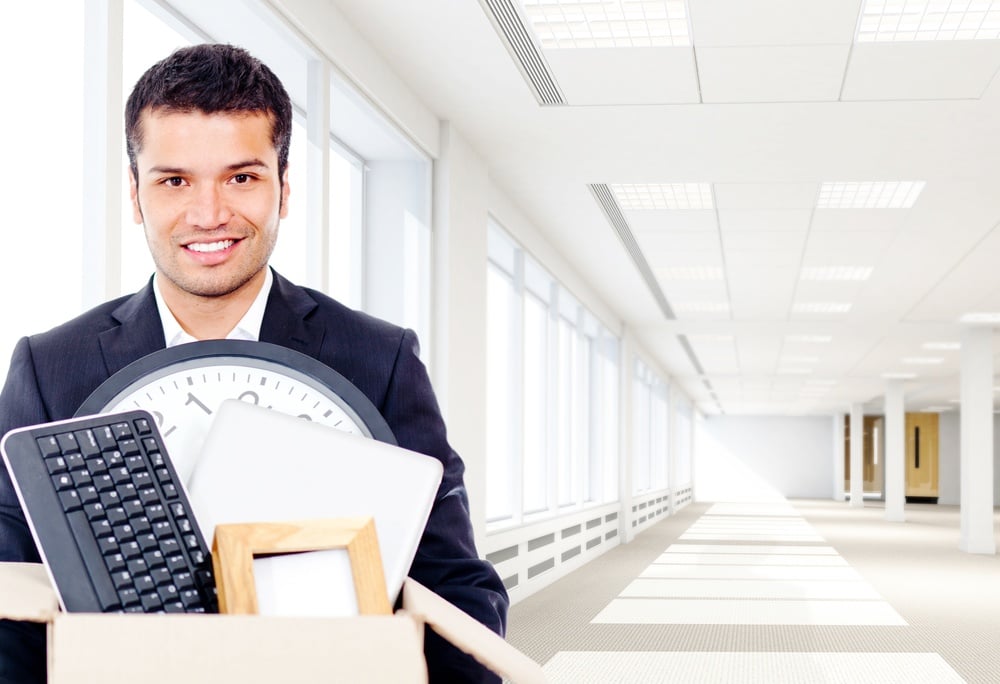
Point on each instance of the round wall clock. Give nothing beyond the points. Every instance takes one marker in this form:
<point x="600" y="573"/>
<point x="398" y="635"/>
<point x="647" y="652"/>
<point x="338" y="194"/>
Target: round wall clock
<point x="183" y="386"/>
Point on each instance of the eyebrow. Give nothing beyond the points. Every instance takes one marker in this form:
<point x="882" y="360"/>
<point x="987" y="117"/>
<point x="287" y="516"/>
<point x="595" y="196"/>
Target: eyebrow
<point x="248" y="163"/>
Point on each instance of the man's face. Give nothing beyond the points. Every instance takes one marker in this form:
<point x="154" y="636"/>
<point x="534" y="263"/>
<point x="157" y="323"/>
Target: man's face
<point x="210" y="199"/>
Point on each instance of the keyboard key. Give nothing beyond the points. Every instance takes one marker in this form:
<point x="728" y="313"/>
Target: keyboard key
<point x="143" y="427"/>
<point x="151" y="603"/>
<point x="81" y="478"/>
<point x="148" y="542"/>
<point x="155" y="559"/>
<point x="89" y="494"/>
<point x="94" y="511"/>
<point x="131" y="550"/>
<point x="62" y="482"/>
<point x="156" y="512"/>
<point x="70" y="500"/>
<point x="178" y="510"/>
<point x="121" y="431"/>
<point x="116" y="516"/>
<point x="105" y="438"/>
<point x="88" y="443"/>
<point x="135" y="463"/>
<point x="161" y="576"/>
<point x="178" y="565"/>
<point x="122" y="579"/>
<point x="114" y="561"/>
<point x="114" y="459"/>
<point x="110" y="499"/>
<point x="123" y="532"/>
<point x="138" y="567"/>
<point x="56" y="464"/>
<point x="184" y="580"/>
<point x="148" y="496"/>
<point x="142" y="479"/>
<point x="120" y="475"/>
<point x="48" y="446"/>
<point x="128" y="447"/>
<point x="170" y="491"/>
<point x="67" y="442"/>
<point x="97" y="466"/>
<point x="104" y="482"/>
<point x="129" y="597"/>
<point x="101" y="528"/>
<point x="127" y="491"/>
<point x="75" y="461"/>
<point x="169" y="546"/>
<point x="133" y="508"/>
<point x="141" y="525"/>
<point x="150" y="445"/>
<point x="108" y="546"/>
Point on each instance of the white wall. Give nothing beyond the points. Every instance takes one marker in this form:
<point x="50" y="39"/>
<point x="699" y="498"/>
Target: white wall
<point x="764" y="456"/>
<point x="949" y="457"/>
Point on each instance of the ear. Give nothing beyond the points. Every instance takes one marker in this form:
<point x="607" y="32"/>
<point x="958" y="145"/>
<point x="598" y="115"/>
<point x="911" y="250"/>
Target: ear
<point x="283" y="204"/>
<point x="133" y="193"/>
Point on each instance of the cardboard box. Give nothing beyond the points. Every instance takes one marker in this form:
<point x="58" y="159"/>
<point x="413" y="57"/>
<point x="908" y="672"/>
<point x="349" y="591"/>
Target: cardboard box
<point x="112" y="648"/>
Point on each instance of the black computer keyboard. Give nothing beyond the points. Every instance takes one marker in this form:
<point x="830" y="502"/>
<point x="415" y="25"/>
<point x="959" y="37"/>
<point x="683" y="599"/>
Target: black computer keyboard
<point x="110" y="516"/>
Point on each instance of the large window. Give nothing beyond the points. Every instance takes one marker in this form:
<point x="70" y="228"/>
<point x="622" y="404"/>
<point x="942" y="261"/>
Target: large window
<point x="552" y="393"/>
<point x="650" y="418"/>
<point x="40" y="263"/>
<point x="685" y="440"/>
<point x="359" y="210"/>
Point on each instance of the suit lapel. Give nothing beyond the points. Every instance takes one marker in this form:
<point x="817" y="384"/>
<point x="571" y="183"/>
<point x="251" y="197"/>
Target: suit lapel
<point x="139" y="331"/>
<point x="286" y="319"/>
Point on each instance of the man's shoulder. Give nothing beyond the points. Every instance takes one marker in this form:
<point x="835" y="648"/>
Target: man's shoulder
<point x="83" y="328"/>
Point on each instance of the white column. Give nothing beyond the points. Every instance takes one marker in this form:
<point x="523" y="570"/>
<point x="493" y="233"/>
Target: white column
<point x="895" y="452"/>
<point x="857" y="456"/>
<point x="838" y="457"/>
<point x="976" y="467"/>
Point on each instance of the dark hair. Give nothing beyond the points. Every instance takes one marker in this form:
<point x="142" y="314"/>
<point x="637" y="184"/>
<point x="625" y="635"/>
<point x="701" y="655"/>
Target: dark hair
<point x="210" y="78"/>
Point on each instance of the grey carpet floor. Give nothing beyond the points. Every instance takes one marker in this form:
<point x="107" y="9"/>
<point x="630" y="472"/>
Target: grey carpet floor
<point x="808" y="591"/>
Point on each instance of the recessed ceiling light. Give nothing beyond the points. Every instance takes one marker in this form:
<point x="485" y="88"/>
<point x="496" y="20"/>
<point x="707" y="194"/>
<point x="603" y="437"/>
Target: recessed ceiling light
<point x="646" y="196"/>
<point x="836" y="272"/>
<point x="869" y="195"/>
<point x="899" y="376"/>
<point x="609" y="23"/>
<point x="809" y="339"/>
<point x="895" y="20"/>
<point x="794" y="371"/>
<point x="690" y="273"/>
<point x="942" y="346"/>
<point x="937" y="409"/>
<point x="821" y="307"/>
<point x="922" y="360"/>
<point x="702" y="307"/>
<point x="980" y="317"/>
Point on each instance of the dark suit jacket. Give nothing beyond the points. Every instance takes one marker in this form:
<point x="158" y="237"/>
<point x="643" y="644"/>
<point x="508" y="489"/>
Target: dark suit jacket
<point x="51" y="374"/>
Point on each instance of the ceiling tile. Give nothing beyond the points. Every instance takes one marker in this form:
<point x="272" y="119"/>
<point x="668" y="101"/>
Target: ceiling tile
<point x="772" y="74"/>
<point x="765" y="195"/>
<point x="665" y="219"/>
<point x="733" y="221"/>
<point x="773" y="22"/>
<point x="939" y="70"/>
<point x="604" y="76"/>
<point x="867" y="220"/>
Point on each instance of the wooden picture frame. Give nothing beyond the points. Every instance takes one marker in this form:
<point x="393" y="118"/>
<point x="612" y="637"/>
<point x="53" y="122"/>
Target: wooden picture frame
<point x="236" y="544"/>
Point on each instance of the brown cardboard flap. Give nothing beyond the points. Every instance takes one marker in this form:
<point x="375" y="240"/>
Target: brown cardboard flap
<point x="471" y="636"/>
<point x="26" y="593"/>
<point x="114" y="649"/>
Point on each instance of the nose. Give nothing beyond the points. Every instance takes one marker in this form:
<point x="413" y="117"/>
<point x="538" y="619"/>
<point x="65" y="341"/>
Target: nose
<point x="208" y="207"/>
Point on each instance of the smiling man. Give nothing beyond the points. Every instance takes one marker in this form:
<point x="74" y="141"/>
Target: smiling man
<point x="208" y="132"/>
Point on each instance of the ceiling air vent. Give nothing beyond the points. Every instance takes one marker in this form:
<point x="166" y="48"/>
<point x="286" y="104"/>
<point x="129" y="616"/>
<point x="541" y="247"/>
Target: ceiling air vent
<point x="602" y="193"/>
<point x="510" y="25"/>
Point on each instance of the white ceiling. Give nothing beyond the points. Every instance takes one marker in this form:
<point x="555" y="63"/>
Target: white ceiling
<point x="773" y="99"/>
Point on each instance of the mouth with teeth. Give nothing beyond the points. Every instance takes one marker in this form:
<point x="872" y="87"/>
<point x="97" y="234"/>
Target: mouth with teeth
<point x="210" y="247"/>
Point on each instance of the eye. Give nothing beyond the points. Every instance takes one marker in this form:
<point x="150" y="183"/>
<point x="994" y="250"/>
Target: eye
<point x="173" y="181"/>
<point x="241" y="178"/>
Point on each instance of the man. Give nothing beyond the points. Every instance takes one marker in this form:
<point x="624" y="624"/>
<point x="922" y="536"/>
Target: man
<point x="208" y="132"/>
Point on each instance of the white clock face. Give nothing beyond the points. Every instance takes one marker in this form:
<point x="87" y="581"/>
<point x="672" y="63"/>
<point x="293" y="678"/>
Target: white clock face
<point x="185" y="396"/>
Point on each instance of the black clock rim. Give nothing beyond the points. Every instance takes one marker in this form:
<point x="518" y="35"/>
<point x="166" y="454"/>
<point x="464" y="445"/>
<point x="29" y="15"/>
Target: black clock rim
<point x="355" y="399"/>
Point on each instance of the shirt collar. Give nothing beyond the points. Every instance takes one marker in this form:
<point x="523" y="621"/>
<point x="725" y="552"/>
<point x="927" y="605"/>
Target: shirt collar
<point x="248" y="327"/>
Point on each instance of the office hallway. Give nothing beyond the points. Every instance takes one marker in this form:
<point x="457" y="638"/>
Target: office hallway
<point x="798" y="591"/>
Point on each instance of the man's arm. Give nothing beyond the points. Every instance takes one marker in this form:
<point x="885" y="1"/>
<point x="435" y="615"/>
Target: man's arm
<point x="446" y="562"/>
<point x="22" y="644"/>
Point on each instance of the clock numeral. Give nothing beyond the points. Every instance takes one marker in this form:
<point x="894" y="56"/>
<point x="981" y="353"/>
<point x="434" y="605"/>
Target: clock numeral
<point x="252" y="397"/>
<point x="158" y="417"/>
<point x="305" y="416"/>
<point x="191" y="399"/>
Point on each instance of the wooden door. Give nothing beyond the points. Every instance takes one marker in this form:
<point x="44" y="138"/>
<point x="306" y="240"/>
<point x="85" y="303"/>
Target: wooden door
<point x="922" y="457"/>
